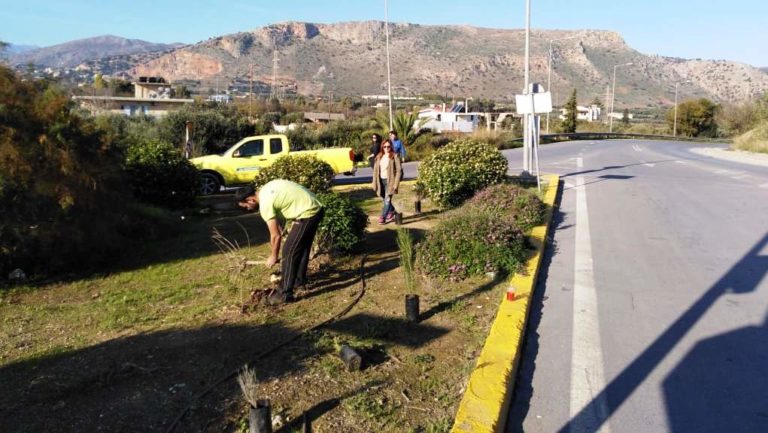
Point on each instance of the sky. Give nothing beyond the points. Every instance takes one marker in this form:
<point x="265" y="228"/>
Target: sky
<point x="735" y="30"/>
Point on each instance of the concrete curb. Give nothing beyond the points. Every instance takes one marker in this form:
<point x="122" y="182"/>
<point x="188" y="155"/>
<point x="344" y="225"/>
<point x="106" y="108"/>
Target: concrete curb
<point x="483" y="409"/>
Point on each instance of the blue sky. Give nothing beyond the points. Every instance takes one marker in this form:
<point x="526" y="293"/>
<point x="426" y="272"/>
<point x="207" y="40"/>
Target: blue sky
<point x="709" y="29"/>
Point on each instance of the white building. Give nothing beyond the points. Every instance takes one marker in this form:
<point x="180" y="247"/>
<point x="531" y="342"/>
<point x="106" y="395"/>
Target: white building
<point x="439" y="119"/>
<point x="589" y="114"/>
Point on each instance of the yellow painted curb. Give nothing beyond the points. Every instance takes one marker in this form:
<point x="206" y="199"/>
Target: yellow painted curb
<point x="484" y="407"/>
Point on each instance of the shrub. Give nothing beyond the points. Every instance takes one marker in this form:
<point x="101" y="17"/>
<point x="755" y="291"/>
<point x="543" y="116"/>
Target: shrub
<point x="306" y="170"/>
<point x="160" y="175"/>
<point x="469" y="243"/>
<point x="455" y="172"/>
<point x="214" y="128"/>
<point x="510" y="202"/>
<point x="64" y="197"/>
<point x="343" y="225"/>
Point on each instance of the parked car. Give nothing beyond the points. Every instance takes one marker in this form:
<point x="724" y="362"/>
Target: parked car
<point x="241" y="162"/>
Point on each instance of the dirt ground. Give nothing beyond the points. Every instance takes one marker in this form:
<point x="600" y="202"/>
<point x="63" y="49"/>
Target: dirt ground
<point x="182" y="377"/>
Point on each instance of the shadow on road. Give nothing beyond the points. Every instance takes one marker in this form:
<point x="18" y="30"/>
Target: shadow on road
<point x="732" y="398"/>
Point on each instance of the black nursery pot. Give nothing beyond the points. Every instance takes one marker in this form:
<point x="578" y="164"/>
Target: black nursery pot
<point x="398" y="218"/>
<point x="260" y="417"/>
<point x="351" y="359"/>
<point x="412" y="308"/>
<point x="417" y="207"/>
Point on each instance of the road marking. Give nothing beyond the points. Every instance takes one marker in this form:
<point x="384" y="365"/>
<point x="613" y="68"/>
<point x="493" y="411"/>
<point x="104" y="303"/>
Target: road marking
<point x="637" y="148"/>
<point x="587" y="376"/>
<point x="680" y="162"/>
<point x="765" y="185"/>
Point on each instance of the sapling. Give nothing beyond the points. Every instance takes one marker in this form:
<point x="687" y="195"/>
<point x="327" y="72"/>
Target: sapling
<point x="405" y="243"/>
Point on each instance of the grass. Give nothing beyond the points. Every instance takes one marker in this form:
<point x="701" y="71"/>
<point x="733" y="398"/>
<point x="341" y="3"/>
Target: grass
<point x="755" y="140"/>
<point x="181" y="288"/>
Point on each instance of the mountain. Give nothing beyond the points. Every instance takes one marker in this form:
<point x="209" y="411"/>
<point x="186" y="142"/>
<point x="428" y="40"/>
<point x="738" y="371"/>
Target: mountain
<point x="73" y="53"/>
<point x="16" y="49"/>
<point x="349" y="59"/>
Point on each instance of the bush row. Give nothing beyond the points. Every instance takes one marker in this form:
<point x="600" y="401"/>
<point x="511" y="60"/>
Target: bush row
<point x="487" y="234"/>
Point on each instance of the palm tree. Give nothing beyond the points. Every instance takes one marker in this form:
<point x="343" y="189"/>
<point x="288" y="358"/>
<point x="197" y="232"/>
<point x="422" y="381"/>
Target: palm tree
<point x="403" y="123"/>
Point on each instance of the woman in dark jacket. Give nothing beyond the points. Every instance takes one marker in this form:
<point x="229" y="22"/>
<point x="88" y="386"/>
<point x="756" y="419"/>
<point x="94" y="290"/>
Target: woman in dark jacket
<point x="375" y="148"/>
<point x="387" y="172"/>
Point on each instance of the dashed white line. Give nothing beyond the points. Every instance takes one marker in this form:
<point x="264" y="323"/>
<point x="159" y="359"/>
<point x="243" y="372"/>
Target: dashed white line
<point x="587" y="376"/>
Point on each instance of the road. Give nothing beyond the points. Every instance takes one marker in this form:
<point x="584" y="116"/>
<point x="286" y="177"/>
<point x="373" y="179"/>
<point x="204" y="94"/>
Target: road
<point x="651" y="312"/>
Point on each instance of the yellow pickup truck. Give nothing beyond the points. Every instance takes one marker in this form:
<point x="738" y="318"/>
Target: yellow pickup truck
<point x="241" y="162"/>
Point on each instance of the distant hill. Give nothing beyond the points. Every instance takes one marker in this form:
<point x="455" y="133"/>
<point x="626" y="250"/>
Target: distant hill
<point x="349" y="59"/>
<point x="16" y="49"/>
<point x="73" y="53"/>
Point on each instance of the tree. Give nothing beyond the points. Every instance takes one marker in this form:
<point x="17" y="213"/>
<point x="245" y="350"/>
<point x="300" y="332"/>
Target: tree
<point x="98" y="82"/>
<point x="403" y="123"/>
<point x="569" y="123"/>
<point x="597" y="102"/>
<point x="625" y="117"/>
<point x="695" y="118"/>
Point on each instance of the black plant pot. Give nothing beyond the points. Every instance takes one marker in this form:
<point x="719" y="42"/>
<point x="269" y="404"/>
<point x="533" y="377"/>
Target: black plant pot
<point x="351" y="359"/>
<point x="417" y="207"/>
<point x="399" y="218"/>
<point x="412" y="308"/>
<point x="260" y="417"/>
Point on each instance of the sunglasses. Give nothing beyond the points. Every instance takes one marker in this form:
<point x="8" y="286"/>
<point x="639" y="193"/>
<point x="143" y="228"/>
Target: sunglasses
<point x="387" y="147"/>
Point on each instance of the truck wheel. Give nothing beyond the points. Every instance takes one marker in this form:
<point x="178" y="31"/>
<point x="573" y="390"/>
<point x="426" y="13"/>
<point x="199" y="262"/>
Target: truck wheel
<point x="209" y="184"/>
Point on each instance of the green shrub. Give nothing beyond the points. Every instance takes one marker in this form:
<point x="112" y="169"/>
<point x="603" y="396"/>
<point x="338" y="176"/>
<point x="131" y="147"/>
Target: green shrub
<point x="343" y="225"/>
<point x="306" y="170"/>
<point x="64" y="198"/>
<point x="455" y="172"/>
<point x="214" y="128"/>
<point x="160" y="175"/>
<point x="471" y="242"/>
<point x="512" y="203"/>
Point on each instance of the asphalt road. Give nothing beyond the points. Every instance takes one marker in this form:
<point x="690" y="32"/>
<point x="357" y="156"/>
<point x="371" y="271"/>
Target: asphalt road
<point x="651" y="312"/>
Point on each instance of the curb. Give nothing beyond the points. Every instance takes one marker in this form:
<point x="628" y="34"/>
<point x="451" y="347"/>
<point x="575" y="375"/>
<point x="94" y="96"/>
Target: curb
<point x="483" y="409"/>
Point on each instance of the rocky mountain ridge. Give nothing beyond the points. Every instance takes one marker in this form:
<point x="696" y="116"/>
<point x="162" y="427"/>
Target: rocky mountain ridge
<point x="462" y="61"/>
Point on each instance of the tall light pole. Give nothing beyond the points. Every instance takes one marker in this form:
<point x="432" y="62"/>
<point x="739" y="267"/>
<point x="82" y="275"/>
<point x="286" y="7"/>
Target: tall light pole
<point x="526" y="90"/>
<point x="389" y="74"/>
<point x="549" y="70"/>
<point x="674" y="122"/>
<point x="613" y="95"/>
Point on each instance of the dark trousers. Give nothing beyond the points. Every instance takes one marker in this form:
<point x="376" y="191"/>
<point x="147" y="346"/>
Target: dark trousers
<point x="296" y="252"/>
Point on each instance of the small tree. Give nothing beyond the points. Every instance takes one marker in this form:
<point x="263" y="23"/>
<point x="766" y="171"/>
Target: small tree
<point x="625" y="117"/>
<point x="597" y="102"/>
<point x="405" y="243"/>
<point x="695" y="118"/>
<point x="569" y="123"/>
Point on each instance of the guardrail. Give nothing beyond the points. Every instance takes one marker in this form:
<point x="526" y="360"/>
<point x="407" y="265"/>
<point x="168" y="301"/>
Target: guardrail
<point x="550" y="138"/>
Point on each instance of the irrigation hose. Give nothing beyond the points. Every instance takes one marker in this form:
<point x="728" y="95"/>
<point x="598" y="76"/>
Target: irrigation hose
<point x="275" y="348"/>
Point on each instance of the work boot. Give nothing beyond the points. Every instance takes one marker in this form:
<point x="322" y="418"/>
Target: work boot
<point x="278" y="298"/>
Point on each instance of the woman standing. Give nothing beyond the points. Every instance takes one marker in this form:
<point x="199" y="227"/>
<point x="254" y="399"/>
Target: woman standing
<point x="375" y="148"/>
<point x="387" y="172"/>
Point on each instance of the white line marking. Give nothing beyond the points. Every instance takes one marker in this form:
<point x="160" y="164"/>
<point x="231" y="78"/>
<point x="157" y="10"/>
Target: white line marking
<point x="765" y="185"/>
<point x="680" y="162"/>
<point x="637" y="148"/>
<point x="587" y="376"/>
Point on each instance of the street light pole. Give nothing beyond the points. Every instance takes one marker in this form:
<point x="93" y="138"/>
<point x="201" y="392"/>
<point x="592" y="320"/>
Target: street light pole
<point x="613" y="95"/>
<point x="674" y="122"/>
<point x="389" y="74"/>
<point x="549" y="70"/>
<point x="526" y="123"/>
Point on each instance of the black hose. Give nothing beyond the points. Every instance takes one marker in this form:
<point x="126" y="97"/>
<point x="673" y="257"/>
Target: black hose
<point x="275" y="348"/>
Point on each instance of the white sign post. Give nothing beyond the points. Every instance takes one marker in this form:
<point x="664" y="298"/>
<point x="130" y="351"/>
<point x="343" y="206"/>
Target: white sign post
<point x="535" y="102"/>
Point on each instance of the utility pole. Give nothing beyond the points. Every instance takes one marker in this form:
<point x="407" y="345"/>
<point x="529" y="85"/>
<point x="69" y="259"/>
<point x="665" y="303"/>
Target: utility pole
<point x="250" y="94"/>
<point x="274" y="91"/>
